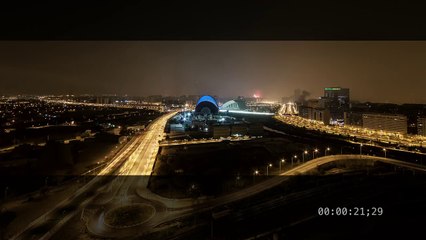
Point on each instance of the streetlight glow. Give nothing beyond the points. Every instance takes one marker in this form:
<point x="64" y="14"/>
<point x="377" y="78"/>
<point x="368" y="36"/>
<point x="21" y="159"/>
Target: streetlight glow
<point x="325" y="151"/>
<point x="303" y="155"/>
<point x="281" y="162"/>
<point x="313" y="153"/>
<point x="267" y="169"/>
<point x="256" y="172"/>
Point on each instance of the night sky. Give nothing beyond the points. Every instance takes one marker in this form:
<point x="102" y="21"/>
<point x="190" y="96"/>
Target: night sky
<point x="377" y="71"/>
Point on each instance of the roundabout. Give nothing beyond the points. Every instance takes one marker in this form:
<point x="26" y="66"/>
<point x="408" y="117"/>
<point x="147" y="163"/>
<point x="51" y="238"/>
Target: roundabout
<point x="129" y="215"/>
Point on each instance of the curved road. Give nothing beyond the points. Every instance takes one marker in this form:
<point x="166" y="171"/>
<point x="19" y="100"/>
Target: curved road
<point x="127" y="162"/>
<point x="179" y="208"/>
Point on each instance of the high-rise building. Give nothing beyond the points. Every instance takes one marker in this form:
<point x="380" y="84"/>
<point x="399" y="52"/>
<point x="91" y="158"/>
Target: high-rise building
<point x="391" y="123"/>
<point x="336" y="100"/>
<point x="421" y="126"/>
<point x="342" y="94"/>
<point x="329" y="108"/>
<point x="314" y="110"/>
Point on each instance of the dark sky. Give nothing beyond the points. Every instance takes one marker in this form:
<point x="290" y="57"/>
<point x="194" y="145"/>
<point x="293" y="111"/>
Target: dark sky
<point x="378" y="71"/>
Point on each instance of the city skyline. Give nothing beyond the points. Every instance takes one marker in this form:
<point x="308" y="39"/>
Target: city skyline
<point x="376" y="71"/>
<point x="272" y="120"/>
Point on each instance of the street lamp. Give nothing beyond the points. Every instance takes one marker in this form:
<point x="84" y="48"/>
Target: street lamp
<point x="303" y="155"/>
<point x="256" y="172"/>
<point x="360" y="149"/>
<point x="313" y="153"/>
<point x="384" y="150"/>
<point x="295" y="156"/>
<point x="267" y="169"/>
<point x="281" y="162"/>
<point x="325" y="151"/>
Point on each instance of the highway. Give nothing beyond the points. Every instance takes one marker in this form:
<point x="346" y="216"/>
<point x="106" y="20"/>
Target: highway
<point x="358" y="132"/>
<point x="136" y="158"/>
<point x="201" y="141"/>
<point x="352" y="142"/>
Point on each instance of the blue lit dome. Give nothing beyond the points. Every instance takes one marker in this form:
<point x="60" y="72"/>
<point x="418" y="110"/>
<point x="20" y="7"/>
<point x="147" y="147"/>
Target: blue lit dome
<point x="207" y="105"/>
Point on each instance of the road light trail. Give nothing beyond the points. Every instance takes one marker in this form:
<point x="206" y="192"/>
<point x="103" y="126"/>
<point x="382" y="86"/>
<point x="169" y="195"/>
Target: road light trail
<point x="134" y="146"/>
<point x="358" y="132"/>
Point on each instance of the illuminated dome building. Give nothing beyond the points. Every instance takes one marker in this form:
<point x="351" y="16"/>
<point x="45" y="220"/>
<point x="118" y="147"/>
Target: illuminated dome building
<point x="206" y="105"/>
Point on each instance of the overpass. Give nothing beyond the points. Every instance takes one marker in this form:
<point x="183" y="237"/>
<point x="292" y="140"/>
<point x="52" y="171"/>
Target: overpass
<point x="174" y="209"/>
<point x="181" y="208"/>
<point x="356" y="159"/>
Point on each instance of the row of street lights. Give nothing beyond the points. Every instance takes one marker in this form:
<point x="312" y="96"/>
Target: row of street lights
<point x="305" y="152"/>
<point x="293" y="158"/>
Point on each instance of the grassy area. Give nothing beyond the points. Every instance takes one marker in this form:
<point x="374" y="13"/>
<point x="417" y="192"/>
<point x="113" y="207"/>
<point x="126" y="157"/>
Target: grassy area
<point x="129" y="215"/>
<point x="216" y="168"/>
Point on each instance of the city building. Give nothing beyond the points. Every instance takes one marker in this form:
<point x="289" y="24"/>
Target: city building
<point x="421" y="126"/>
<point x="386" y="122"/>
<point x="314" y="109"/>
<point x="336" y="100"/>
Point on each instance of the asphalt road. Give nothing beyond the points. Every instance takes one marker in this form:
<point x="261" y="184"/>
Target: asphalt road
<point x="137" y="158"/>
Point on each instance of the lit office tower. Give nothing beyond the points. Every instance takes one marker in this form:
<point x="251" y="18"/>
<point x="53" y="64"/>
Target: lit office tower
<point x="336" y="100"/>
<point x="421" y="126"/>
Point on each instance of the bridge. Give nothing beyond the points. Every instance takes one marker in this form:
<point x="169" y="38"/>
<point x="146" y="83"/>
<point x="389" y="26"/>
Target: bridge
<point x="353" y="159"/>
<point x="173" y="209"/>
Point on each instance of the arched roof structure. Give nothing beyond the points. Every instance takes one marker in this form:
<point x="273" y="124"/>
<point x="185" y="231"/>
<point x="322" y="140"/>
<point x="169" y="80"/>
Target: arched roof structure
<point x="230" y="105"/>
<point x="207" y="105"/>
